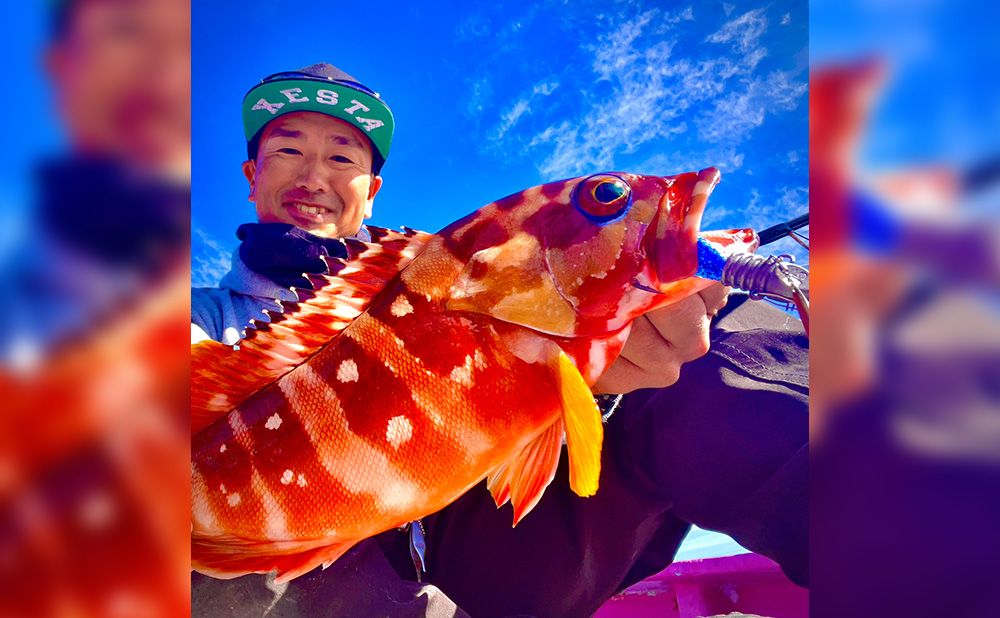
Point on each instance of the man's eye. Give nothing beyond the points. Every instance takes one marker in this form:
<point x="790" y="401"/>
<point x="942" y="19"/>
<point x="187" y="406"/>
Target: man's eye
<point x="340" y="159"/>
<point x="290" y="151"/>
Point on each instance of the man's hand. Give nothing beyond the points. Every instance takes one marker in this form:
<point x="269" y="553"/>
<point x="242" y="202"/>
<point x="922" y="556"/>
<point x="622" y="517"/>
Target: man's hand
<point x="661" y="341"/>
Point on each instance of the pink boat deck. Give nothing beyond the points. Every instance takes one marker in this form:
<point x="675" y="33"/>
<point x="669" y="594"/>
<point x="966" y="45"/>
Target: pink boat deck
<point x="747" y="583"/>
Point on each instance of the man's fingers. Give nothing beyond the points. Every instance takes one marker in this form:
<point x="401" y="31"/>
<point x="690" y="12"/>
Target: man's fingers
<point x="662" y="340"/>
<point x="714" y="297"/>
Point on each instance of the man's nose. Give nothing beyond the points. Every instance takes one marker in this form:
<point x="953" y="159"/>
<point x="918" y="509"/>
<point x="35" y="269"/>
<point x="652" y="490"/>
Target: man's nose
<point x="312" y="175"/>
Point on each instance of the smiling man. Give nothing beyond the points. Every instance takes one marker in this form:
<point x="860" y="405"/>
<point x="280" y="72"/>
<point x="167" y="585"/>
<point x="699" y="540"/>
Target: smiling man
<point x="316" y="142"/>
<point x="314" y="172"/>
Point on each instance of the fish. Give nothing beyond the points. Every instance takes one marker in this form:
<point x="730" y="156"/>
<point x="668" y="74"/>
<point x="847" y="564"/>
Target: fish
<point x="425" y="363"/>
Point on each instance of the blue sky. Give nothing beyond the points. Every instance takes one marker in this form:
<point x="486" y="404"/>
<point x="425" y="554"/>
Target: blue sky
<point x="941" y="99"/>
<point x="491" y="100"/>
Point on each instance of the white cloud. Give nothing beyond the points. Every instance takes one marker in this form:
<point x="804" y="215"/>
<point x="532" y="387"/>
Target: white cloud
<point x="650" y="84"/>
<point x="545" y="88"/>
<point x="794" y="200"/>
<point x="728" y="8"/>
<point x="786" y="19"/>
<point x="514" y="113"/>
<point x="209" y="260"/>
<point x="650" y="90"/>
<point x="744" y="32"/>
<point x="480" y="94"/>
<point x="736" y="114"/>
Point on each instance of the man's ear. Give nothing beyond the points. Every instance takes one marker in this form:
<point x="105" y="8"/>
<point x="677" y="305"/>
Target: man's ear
<point x="373" y="188"/>
<point x="250" y="171"/>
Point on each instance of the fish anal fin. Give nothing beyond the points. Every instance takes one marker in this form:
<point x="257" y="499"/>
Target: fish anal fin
<point x="226" y="557"/>
<point x="524" y="478"/>
<point x="584" y="431"/>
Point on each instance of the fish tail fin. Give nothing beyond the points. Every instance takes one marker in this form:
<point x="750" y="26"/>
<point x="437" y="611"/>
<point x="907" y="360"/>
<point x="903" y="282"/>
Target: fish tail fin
<point x="226" y="556"/>
<point x="523" y="479"/>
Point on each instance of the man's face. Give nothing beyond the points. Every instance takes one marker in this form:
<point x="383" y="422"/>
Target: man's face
<point x="122" y="76"/>
<point x="313" y="171"/>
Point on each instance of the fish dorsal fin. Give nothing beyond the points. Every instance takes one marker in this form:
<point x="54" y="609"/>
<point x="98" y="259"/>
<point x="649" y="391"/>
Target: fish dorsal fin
<point x="523" y="479"/>
<point x="224" y="376"/>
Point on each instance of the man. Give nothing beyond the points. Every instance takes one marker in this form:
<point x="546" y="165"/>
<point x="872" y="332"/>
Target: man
<point x="313" y="172"/>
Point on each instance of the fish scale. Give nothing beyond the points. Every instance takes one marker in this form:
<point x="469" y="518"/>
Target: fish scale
<point x="422" y="364"/>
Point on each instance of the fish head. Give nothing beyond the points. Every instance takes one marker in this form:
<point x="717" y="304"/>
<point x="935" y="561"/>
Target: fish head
<point x="586" y="256"/>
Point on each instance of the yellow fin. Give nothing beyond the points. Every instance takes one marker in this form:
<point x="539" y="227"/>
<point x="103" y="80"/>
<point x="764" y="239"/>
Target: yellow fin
<point x="523" y="479"/>
<point x="584" y="432"/>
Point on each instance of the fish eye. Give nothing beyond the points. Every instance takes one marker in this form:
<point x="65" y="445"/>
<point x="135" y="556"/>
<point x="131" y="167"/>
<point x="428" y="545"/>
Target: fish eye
<point x="603" y="197"/>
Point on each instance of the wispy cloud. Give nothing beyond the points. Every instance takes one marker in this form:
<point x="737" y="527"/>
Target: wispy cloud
<point x="649" y="92"/>
<point x="209" y="260"/>
<point x="652" y="91"/>
<point x="523" y="105"/>
<point x="786" y="19"/>
<point x="733" y="116"/>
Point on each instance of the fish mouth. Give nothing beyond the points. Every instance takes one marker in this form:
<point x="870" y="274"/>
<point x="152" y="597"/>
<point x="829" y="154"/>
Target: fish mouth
<point x="672" y="239"/>
<point x="673" y="234"/>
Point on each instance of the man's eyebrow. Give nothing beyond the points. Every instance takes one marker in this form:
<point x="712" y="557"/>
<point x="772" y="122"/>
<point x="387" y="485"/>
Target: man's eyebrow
<point x="280" y="132"/>
<point x="345" y="140"/>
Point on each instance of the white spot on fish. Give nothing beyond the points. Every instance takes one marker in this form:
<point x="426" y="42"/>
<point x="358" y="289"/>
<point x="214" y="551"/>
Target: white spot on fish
<point x="399" y="431"/>
<point x="302" y="481"/>
<point x="202" y="514"/>
<point x="233" y="499"/>
<point x="597" y="357"/>
<point x="219" y="401"/>
<point x="463" y="374"/>
<point x="222" y="449"/>
<point x="348" y="371"/>
<point x="273" y="421"/>
<point x="479" y="360"/>
<point x="401" y="306"/>
<point x="222" y="487"/>
<point x="275" y="526"/>
<point x="287" y="477"/>
<point x="236" y="423"/>
<point x="398" y="495"/>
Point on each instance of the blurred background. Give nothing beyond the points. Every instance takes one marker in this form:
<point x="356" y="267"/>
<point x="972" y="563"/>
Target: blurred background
<point x="94" y="255"/>
<point x="905" y="367"/>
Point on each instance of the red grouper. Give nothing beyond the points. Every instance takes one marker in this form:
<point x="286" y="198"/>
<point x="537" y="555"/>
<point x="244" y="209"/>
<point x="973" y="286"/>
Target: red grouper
<point x="426" y="362"/>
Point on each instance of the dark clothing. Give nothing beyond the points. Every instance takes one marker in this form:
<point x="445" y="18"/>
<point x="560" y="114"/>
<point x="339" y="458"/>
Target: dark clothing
<point x="725" y="448"/>
<point x="282" y="252"/>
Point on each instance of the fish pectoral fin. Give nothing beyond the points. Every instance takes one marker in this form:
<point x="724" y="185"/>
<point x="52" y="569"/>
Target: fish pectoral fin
<point x="227" y="556"/>
<point x="523" y="479"/>
<point x="584" y="431"/>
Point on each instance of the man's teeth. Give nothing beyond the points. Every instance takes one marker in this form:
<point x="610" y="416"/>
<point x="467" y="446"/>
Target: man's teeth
<point x="310" y="210"/>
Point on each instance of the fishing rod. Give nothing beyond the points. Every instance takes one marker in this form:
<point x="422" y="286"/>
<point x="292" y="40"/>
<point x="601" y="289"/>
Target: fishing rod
<point x="775" y="277"/>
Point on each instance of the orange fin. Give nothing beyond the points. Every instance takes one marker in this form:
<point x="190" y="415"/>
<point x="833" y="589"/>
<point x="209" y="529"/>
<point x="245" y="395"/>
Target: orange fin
<point x="226" y="556"/>
<point x="524" y="478"/>
<point x="222" y="377"/>
<point x="584" y="431"/>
